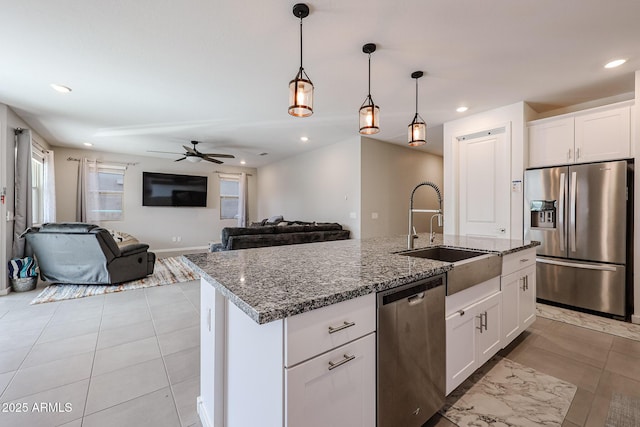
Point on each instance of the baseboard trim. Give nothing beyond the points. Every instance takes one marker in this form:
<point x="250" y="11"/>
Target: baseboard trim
<point x="635" y="319"/>
<point x="202" y="413"/>
<point x="192" y="248"/>
<point x="5" y="291"/>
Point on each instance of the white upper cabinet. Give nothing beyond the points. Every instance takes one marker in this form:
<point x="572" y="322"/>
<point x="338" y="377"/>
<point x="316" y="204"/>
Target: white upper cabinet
<point x="605" y="135"/>
<point x="551" y="142"/>
<point x="592" y="135"/>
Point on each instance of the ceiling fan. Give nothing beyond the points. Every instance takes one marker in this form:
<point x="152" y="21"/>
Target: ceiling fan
<point x="193" y="155"/>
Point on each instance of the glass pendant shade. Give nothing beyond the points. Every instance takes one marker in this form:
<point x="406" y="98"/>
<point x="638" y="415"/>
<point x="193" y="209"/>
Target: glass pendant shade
<point x="417" y="132"/>
<point x="369" y="117"/>
<point x="301" y="95"/>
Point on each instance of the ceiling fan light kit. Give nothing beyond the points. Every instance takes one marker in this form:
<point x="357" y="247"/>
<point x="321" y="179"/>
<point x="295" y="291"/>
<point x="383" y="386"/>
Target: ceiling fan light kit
<point x="369" y="111"/>
<point x="301" y="88"/>
<point x="417" y="127"/>
<point x="193" y="155"/>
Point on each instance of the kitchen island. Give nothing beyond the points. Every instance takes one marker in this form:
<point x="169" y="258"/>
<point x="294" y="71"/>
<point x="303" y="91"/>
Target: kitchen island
<point x="265" y="314"/>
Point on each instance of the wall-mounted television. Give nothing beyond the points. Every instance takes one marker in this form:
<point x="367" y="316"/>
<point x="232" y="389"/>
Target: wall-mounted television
<point x="165" y="189"/>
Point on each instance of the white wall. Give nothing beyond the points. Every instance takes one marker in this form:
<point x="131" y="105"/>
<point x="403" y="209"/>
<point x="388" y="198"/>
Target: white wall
<point x="511" y="115"/>
<point x="153" y="225"/>
<point x="321" y="185"/>
<point x="389" y="173"/>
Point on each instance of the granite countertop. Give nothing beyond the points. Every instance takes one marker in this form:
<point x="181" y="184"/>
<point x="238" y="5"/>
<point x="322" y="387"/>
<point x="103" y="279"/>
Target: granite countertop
<point x="281" y="281"/>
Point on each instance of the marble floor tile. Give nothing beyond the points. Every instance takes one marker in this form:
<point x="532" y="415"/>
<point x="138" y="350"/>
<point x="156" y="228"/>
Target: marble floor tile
<point x="507" y="393"/>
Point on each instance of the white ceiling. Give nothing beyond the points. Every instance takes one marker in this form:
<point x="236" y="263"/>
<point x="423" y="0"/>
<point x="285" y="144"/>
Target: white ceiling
<point x="154" y="74"/>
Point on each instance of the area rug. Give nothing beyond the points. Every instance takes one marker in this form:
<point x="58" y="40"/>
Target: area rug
<point x="589" y="321"/>
<point x="166" y="272"/>
<point x="624" y="411"/>
<point x="506" y="393"/>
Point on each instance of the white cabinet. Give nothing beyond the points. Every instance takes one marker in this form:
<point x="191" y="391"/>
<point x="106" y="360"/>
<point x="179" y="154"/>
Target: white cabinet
<point x="518" y="294"/>
<point x="473" y="337"/>
<point x="336" y="388"/>
<point x="592" y="135"/>
<point x="551" y="142"/>
<point x="603" y="135"/>
<point x="314" y="369"/>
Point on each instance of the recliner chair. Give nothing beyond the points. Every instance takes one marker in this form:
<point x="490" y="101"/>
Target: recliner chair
<point x="82" y="253"/>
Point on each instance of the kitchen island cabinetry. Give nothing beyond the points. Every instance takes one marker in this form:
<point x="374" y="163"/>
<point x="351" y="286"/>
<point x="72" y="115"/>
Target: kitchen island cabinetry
<point x="473" y="332"/>
<point x="518" y="283"/>
<point x="296" y="346"/>
<point x="597" y="134"/>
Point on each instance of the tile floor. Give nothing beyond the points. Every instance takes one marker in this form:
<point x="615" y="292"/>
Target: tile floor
<point x="132" y="359"/>
<point x="125" y="359"/>
<point x="598" y="364"/>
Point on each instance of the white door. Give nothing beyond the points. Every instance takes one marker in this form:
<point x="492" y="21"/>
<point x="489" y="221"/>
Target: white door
<point x="604" y="135"/>
<point x="528" y="297"/>
<point x="551" y="142"/>
<point x="484" y="184"/>
<point x="511" y="290"/>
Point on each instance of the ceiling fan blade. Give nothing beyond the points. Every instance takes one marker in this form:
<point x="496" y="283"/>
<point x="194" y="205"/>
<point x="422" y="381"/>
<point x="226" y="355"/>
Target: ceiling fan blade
<point x="225" y="156"/>
<point x="212" y="160"/>
<point x="165" y="152"/>
<point x="189" y="150"/>
<point x="180" y="159"/>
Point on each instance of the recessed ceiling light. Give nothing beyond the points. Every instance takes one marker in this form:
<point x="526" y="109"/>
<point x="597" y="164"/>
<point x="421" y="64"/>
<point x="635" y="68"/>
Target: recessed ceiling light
<point x="462" y="109"/>
<point x="60" y="88"/>
<point x="88" y="144"/>
<point x="242" y="162"/>
<point x="615" y="63"/>
<point x="304" y="138"/>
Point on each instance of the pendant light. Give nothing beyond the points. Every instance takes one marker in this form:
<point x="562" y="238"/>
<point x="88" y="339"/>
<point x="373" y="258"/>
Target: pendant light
<point x="301" y="88"/>
<point x="417" y="128"/>
<point x="369" y="111"/>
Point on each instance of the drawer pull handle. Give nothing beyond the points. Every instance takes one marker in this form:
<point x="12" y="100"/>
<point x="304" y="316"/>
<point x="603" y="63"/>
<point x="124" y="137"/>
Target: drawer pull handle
<point x="345" y="325"/>
<point x="461" y="312"/>
<point x="346" y="358"/>
<point x="524" y="260"/>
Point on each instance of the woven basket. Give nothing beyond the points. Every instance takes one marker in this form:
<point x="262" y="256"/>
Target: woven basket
<point x="24" y="284"/>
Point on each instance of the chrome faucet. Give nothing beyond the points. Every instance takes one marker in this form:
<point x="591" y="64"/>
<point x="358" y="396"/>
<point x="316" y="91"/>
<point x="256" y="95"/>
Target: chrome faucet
<point x="438" y="213"/>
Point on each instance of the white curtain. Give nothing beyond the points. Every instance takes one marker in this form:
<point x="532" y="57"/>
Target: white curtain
<point x="49" y="188"/>
<point x="87" y="194"/>
<point x="243" y="205"/>
<point x="23" y="188"/>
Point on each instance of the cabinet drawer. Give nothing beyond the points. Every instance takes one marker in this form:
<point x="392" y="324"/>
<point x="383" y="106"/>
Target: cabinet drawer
<point x="309" y="334"/>
<point x="518" y="260"/>
<point x="336" y="389"/>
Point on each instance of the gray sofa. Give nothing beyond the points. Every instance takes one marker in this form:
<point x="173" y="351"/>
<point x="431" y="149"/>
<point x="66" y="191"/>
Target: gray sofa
<point x="284" y="233"/>
<point x="82" y="253"/>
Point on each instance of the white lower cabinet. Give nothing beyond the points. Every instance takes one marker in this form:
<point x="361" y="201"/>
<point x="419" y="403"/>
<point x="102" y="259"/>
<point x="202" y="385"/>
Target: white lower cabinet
<point x="336" y="388"/>
<point x="519" y="299"/>
<point x="473" y="337"/>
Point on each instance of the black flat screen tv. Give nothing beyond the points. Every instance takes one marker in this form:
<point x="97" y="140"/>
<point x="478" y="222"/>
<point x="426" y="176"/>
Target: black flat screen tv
<point x="165" y="189"/>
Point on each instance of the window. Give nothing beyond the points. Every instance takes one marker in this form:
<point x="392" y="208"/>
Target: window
<point x="229" y="194"/>
<point x="37" y="188"/>
<point x="106" y="192"/>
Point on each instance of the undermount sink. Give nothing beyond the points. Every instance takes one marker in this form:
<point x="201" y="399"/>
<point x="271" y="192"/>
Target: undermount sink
<point x="469" y="267"/>
<point x="443" y="254"/>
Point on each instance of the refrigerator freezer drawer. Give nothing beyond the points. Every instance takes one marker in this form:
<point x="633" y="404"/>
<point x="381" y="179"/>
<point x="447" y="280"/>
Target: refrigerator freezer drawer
<point x="599" y="287"/>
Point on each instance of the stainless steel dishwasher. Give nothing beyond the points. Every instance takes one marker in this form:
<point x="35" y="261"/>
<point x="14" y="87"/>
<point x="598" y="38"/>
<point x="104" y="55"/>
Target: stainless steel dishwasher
<point x="411" y="353"/>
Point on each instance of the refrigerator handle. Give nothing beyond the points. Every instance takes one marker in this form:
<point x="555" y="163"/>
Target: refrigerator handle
<point x="572" y="211"/>
<point x="592" y="266"/>
<point x="561" y="211"/>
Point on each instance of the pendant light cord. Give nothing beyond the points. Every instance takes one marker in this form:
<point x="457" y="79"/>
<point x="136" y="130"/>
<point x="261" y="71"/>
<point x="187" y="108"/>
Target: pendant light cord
<point x="416" y="97"/>
<point x="301" y="44"/>
<point x="369" y="75"/>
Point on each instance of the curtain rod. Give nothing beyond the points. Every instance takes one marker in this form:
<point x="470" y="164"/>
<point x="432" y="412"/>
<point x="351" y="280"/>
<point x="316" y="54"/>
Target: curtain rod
<point x="231" y="173"/>
<point x="73" y="159"/>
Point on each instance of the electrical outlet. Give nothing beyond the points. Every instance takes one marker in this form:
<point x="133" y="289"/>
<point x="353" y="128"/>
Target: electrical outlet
<point x="353" y="215"/>
<point x="179" y="238"/>
<point x="173" y="239"/>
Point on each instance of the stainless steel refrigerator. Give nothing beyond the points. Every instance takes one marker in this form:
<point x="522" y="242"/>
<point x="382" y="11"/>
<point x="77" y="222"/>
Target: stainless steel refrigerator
<point x="582" y="216"/>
